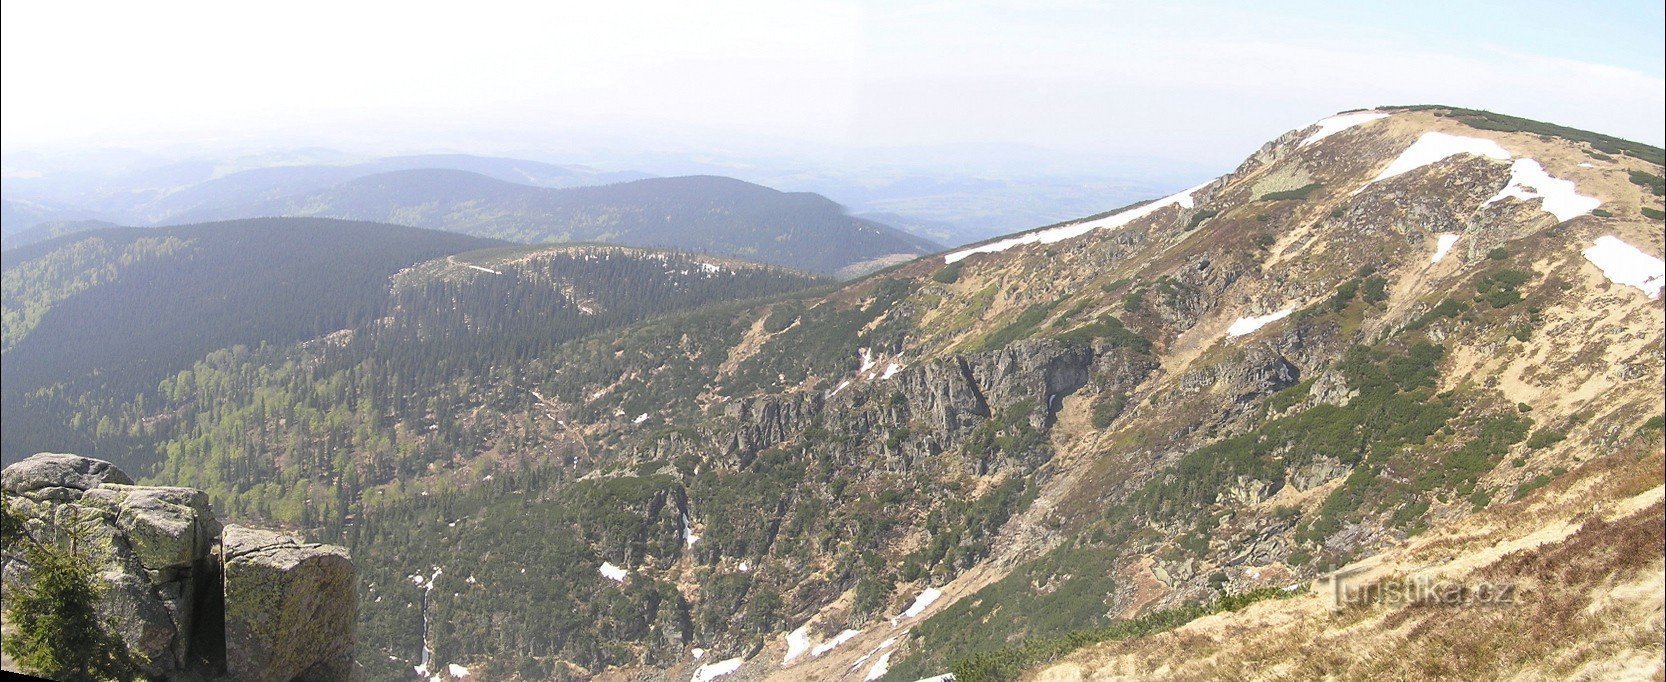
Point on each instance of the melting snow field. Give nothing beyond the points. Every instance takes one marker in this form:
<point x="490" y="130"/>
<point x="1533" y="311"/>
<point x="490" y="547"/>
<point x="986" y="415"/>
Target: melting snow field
<point x="864" y="659"/>
<point x="831" y="644"/>
<point x="1443" y="245"/>
<point x="1058" y="234"/>
<point x="1339" y="123"/>
<point x="1528" y="180"/>
<point x="1434" y="147"/>
<point x="712" y="671"/>
<point x="1623" y="263"/>
<point x="457" y="671"/>
<point x="921" y="602"/>
<point x="798" y="642"/>
<point x="1246" y="325"/>
<point x="891" y="370"/>
<point x="611" y="572"/>
<point x="880" y="667"/>
<point x="485" y="269"/>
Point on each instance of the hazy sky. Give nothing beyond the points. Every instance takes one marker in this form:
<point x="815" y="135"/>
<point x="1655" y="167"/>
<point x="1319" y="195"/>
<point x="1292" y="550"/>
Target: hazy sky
<point x="1202" y="82"/>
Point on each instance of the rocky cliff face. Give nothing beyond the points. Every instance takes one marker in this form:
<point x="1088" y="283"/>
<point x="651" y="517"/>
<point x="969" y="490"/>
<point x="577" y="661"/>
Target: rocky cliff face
<point x="188" y="598"/>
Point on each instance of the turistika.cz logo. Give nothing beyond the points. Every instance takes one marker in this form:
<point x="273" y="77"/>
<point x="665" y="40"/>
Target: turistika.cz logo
<point x="1420" y="590"/>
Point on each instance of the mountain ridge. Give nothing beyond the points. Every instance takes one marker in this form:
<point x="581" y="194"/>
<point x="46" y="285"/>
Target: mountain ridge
<point x="714" y="214"/>
<point x="979" y="464"/>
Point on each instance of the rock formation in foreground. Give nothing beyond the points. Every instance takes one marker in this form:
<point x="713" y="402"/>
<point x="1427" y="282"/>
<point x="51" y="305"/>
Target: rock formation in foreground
<point x="189" y="598"/>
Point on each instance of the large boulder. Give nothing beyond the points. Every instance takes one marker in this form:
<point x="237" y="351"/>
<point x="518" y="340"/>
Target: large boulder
<point x="167" y="528"/>
<point x="50" y="476"/>
<point x="290" y="608"/>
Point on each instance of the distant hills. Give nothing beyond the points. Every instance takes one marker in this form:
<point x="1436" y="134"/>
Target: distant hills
<point x="221" y="196"/>
<point x="709" y="214"/>
<point x="512" y="199"/>
<point x="165" y="195"/>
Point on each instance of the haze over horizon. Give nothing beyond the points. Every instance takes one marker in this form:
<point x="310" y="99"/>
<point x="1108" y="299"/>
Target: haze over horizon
<point x="990" y="87"/>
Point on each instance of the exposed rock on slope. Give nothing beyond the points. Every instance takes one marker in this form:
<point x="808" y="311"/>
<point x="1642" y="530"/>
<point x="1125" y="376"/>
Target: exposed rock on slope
<point x="1303" y="364"/>
<point x="282" y="610"/>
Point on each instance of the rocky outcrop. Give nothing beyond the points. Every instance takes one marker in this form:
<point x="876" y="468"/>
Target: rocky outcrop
<point x="60" y="477"/>
<point x="1042" y="370"/>
<point x="290" y="607"/>
<point x="189" y="599"/>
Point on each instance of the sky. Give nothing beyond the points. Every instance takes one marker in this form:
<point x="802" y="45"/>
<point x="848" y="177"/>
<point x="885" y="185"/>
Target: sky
<point x="1200" y="83"/>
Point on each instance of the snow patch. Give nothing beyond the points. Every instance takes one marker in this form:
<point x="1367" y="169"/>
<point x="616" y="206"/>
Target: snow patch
<point x="798" y="642"/>
<point x="882" y="645"/>
<point x="744" y="567"/>
<point x="921" y="602"/>
<point x="1623" y="263"/>
<point x="831" y="644"/>
<point x="688" y="532"/>
<point x="1339" y="123"/>
<point x="484" y="269"/>
<point x="1443" y="245"/>
<point x="1434" y="147"/>
<point x="891" y="370"/>
<point x="1246" y="325"/>
<point x="945" y="677"/>
<point x="1528" y="180"/>
<point x="841" y="387"/>
<point x="611" y="572"/>
<point x="457" y="671"/>
<point x="867" y="361"/>
<point x="1587" y="164"/>
<point x="880" y="667"/>
<point x="1183" y="199"/>
<point x="699" y="653"/>
<point x="640" y="418"/>
<point x="712" y="671"/>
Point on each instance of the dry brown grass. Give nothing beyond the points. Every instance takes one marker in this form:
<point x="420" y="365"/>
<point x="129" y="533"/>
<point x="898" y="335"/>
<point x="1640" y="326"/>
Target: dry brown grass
<point x="1585" y="555"/>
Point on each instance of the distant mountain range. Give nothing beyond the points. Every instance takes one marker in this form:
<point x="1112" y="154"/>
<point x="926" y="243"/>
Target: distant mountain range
<point x="698" y="213"/>
<point x="522" y="201"/>
<point x="166" y="195"/>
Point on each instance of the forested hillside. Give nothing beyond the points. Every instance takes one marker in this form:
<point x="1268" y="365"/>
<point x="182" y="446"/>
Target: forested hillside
<point x="568" y="462"/>
<point x="697" y="213"/>
<point x="96" y="318"/>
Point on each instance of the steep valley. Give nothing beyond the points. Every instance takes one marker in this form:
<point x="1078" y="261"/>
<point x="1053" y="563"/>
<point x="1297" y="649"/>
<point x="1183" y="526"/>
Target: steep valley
<point x="1414" y="341"/>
